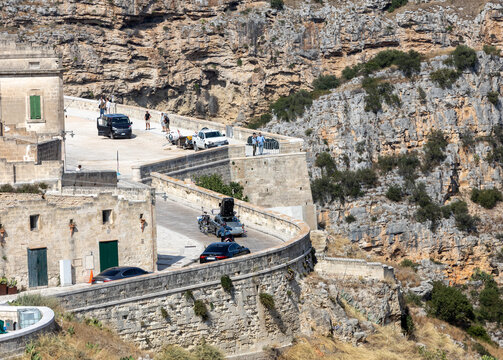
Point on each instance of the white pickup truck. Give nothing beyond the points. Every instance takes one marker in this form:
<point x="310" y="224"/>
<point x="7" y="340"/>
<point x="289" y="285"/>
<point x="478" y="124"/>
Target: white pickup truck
<point x="208" y="138"/>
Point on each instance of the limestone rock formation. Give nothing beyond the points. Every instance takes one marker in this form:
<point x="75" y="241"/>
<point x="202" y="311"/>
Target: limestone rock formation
<point x="226" y="59"/>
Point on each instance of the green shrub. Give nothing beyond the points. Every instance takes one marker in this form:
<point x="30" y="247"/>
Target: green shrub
<point x="422" y="94"/>
<point x="491" y="304"/>
<point x="481" y="350"/>
<point x="226" y="283"/>
<point x="174" y="352"/>
<point x="428" y="211"/>
<point x="445" y="78"/>
<point x="350" y="219"/>
<point x="412" y="298"/>
<point x="467" y="139"/>
<point x="25" y="189"/>
<point x="350" y="72"/>
<point x="326" y="82"/>
<point x="164" y="313"/>
<point x="239" y="62"/>
<point x="326" y="163"/>
<point x="487" y="198"/>
<point x="407" y="165"/>
<point x="308" y="132"/>
<point x="188" y="295"/>
<point x="288" y="108"/>
<point x="464" y="221"/>
<point x="267" y="300"/>
<point x="493" y="97"/>
<point x="394" y="193"/>
<point x="38" y="300"/>
<point x="395" y="4"/>
<point x="479" y="332"/>
<point x="378" y="91"/>
<point x="491" y="50"/>
<point x="200" y="309"/>
<point x="387" y="163"/>
<point x="259" y="121"/>
<point x="451" y="305"/>
<point x="214" y="182"/>
<point x="366" y="176"/>
<point x="277" y="4"/>
<point x="204" y="351"/>
<point x="409" y="263"/>
<point x="464" y="57"/>
<point x="325" y="190"/>
<point x="434" y="149"/>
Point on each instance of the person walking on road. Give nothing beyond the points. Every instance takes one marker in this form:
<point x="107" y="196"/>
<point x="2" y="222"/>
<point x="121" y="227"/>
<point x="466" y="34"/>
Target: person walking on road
<point x="147" y="120"/>
<point x="163" y="125"/>
<point x="101" y="106"/>
<point x="260" y="143"/>
<point x="166" y="122"/>
<point x="108" y="105"/>
<point x="254" y="143"/>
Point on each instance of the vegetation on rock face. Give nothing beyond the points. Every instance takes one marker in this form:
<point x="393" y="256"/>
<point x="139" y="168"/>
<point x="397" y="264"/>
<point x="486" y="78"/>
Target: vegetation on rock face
<point x="395" y="4"/>
<point x="214" y="182"/>
<point x="450" y="304"/>
<point x="444" y="78"/>
<point x="259" y="121"/>
<point x="202" y="351"/>
<point x="267" y="300"/>
<point x="464" y="57"/>
<point x="277" y="4"/>
<point x="394" y="193"/>
<point x="487" y="198"/>
<point x="434" y="149"/>
<point x="288" y="108"/>
<point x="226" y="283"/>
<point x="493" y="97"/>
<point x="491" y="50"/>
<point x="377" y="92"/>
<point x="335" y="184"/>
<point x="326" y="82"/>
<point x="200" y="309"/>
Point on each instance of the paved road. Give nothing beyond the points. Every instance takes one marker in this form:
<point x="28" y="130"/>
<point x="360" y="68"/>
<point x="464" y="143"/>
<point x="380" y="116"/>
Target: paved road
<point x="179" y="241"/>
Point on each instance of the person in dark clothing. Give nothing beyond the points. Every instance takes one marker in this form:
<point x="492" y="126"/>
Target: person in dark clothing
<point x="147" y="120"/>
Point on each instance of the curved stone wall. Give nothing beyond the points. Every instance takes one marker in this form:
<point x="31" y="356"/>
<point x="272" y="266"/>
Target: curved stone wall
<point x="157" y="309"/>
<point x="13" y="343"/>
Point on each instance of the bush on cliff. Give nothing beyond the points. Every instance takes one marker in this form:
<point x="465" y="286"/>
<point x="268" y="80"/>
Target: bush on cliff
<point x="394" y="193"/>
<point x="487" y="198"/>
<point x="445" y="78"/>
<point x="288" y="108"/>
<point x="377" y="92"/>
<point x="493" y="97"/>
<point x="326" y="82"/>
<point x="451" y="305"/>
<point x="491" y="50"/>
<point x="395" y="4"/>
<point x="259" y="121"/>
<point x="277" y="4"/>
<point x="434" y="149"/>
<point x="464" y="57"/>
<point x="267" y="300"/>
<point x="200" y="309"/>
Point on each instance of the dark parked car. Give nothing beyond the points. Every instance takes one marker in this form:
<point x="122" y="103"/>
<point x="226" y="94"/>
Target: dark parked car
<point x="114" y="126"/>
<point x="222" y="250"/>
<point x="117" y="273"/>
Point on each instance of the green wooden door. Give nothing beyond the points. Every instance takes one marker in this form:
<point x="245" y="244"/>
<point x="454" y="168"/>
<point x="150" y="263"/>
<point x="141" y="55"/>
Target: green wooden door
<point x="37" y="267"/>
<point x="109" y="255"/>
<point x="35" y="109"/>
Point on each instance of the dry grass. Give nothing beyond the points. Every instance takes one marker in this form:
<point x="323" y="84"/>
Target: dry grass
<point x="79" y="341"/>
<point x="388" y="343"/>
<point x="406" y="275"/>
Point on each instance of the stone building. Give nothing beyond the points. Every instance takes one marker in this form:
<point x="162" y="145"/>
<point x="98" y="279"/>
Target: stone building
<point x="31" y="114"/>
<point x="93" y="232"/>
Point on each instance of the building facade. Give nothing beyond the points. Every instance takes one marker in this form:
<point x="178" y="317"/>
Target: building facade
<point x="93" y="232"/>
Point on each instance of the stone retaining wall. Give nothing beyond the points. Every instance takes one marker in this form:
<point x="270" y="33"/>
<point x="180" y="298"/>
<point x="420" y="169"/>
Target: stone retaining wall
<point x="341" y="267"/>
<point x="49" y="150"/>
<point x="155" y="309"/>
<point x="14" y="343"/>
<point x="28" y="172"/>
<point x="90" y="178"/>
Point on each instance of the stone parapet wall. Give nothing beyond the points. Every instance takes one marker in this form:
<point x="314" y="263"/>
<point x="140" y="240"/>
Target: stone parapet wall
<point x="90" y="178"/>
<point x="29" y="172"/>
<point x="136" y="113"/>
<point x="13" y="344"/>
<point x="342" y="267"/>
<point x="49" y="150"/>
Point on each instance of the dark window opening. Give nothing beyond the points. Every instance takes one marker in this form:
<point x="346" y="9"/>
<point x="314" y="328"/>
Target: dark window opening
<point x="34" y="222"/>
<point x="106" y="216"/>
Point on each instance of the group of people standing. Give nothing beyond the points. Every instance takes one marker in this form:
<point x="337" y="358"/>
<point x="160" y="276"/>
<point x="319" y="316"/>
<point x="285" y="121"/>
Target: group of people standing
<point x="164" y="121"/>
<point x="105" y="105"/>
<point x="258" y="141"/>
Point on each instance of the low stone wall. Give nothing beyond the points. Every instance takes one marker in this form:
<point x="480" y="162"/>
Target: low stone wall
<point x="14" y="343"/>
<point x="29" y="172"/>
<point x="141" y="173"/>
<point x="136" y="113"/>
<point x="90" y="178"/>
<point x="155" y="309"/>
<point x="341" y="267"/>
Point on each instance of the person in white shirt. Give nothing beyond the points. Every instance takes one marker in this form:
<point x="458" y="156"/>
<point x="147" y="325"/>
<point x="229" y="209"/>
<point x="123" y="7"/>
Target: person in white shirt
<point x="108" y="105"/>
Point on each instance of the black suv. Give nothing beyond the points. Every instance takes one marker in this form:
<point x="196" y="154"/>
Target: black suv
<point x="114" y="126"/>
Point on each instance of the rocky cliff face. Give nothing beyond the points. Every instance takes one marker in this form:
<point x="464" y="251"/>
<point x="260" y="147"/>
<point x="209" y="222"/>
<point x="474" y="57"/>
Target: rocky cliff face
<point x="356" y="138"/>
<point x="226" y="59"/>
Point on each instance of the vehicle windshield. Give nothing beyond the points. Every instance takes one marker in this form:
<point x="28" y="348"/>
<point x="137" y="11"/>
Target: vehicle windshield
<point x="120" y="121"/>
<point x="212" y="134"/>
<point x="111" y="272"/>
<point x="233" y="224"/>
<point x="217" y="247"/>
